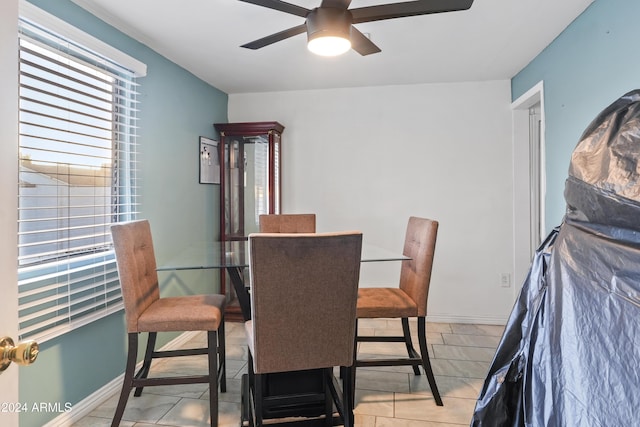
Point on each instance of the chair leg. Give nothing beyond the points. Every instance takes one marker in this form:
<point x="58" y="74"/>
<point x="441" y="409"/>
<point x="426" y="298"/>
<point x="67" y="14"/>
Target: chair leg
<point x="258" y="398"/>
<point x="328" y="397"/>
<point x="251" y="397"/>
<point x="250" y="368"/>
<point x="422" y="337"/>
<point x="212" y="354"/>
<point x="407" y="340"/>
<point x="350" y="374"/>
<point x="222" y="357"/>
<point x="148" y="355"/>
<point x="127" y="384"/>
<point x="348" y="395"/>
<point x="245" y="413"/>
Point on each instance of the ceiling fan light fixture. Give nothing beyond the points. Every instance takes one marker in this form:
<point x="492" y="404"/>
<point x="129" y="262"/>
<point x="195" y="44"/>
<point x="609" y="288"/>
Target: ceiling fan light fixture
<point x="329" y="45"/>
<point x="329" y="31"/>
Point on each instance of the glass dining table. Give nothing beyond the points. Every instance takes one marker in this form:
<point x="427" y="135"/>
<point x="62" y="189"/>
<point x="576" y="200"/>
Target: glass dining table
<point x="234" y="257"/>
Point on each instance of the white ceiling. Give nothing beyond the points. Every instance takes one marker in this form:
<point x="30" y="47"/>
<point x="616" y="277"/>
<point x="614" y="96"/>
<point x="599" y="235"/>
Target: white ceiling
<point x="491" y="41"/>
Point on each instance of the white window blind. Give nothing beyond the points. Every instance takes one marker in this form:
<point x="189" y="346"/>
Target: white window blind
<point x="78" y="175"/>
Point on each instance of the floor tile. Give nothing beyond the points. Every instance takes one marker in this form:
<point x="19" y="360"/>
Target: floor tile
<point x="195" y="413"/>
<point x="386" y="396"/>
<point x="91" y="421"/>
<point x="382" y="381"/>
<point x="467" y="388"/>
<point x="193" y="391"/>
<point x="376" y="403"/>
<point x="365" y="420"/>
<point x="231" y="395"/>
<point x="460" y="368"/>
<point x="148" y="408"/>
<point x="423" y="407"/>
<point x="455" y="352"/>
<point x="372" y="323"/>
<point x="439" y="327"/>
<point x="473" y="329"/>
<point x="489" y="341"/>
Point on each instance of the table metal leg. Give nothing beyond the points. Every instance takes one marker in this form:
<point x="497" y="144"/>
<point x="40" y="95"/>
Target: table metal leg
<point x="235" y="273"/>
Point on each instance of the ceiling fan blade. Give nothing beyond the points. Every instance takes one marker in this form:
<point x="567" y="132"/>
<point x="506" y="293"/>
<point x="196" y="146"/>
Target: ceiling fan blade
<point x="361" y="43"/>
<point x="409" y="8"/>
<point x="281" y="6"/>
<point x="338" y="4"/>
<point x="276" y="37"/>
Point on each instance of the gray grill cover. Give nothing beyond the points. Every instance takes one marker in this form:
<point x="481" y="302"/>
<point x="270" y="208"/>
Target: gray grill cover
<point x="570" y="353"/>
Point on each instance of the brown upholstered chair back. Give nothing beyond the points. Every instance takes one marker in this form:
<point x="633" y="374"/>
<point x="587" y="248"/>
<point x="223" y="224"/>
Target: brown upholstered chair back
<point x="303" y="300"/>
<point x="288" y="223"/>
<point x="415" y="274"/>
<point x="136" y="267"/>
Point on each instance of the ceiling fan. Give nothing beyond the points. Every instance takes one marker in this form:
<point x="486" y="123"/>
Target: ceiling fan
<point x="331" y="24"/>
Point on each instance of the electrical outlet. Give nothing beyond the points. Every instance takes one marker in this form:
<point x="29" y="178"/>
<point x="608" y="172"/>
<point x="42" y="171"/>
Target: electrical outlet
<point x="505" y="280"/>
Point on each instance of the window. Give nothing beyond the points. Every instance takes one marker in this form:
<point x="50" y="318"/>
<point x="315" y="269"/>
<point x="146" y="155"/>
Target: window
<point x="78" y="175"/>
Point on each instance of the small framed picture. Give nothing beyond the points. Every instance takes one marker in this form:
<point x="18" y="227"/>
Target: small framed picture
<point x="209" y="161"/>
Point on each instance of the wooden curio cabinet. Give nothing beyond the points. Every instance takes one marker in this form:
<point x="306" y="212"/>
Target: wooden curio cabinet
<point x="249" y="186"/>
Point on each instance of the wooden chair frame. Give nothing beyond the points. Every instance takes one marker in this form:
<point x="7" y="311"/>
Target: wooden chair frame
<point x="215" y="351"/>
<point x="409" y="300"/>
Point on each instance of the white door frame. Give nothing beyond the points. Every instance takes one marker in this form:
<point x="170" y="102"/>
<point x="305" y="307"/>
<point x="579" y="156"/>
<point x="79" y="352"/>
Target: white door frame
<point x="9" y="199"/>
<point x="521" y="180"/>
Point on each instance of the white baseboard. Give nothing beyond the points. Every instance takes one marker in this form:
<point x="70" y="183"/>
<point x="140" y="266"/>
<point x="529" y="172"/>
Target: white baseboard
<point x="95" y="399"/>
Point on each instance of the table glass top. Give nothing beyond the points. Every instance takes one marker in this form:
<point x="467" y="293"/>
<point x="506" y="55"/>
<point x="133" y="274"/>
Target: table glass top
<point x="211" y="255"/>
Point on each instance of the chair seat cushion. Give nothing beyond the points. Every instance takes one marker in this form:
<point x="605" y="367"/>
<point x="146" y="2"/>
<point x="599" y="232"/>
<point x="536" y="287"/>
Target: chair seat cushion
<point x="385" y="302"/>
<point x="183" y="313"/>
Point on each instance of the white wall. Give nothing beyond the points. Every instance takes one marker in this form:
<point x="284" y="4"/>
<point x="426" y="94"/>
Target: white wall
<point x="368" y="158"/>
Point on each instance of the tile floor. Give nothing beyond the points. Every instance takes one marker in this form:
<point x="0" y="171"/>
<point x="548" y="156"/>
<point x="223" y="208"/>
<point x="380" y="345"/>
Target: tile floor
<point x="385" y="396"/>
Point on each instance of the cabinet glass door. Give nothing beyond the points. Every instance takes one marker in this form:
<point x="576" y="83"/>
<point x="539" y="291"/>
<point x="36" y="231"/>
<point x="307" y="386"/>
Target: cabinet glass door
<point x="276" y="173"/>
<point x="247" y="171"/>
<point x="234" y="187"/>
<point x="256" y="177"/>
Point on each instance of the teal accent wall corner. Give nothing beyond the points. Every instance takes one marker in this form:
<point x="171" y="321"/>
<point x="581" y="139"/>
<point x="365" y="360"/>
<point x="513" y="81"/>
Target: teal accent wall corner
<point x="176" y="108"/>
<point x="591" y="64"/>
<point x="71" y="367"/>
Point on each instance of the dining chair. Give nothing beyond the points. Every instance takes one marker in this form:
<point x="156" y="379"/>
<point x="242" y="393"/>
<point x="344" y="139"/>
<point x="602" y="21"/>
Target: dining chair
<point x="287" y="223"/>
<point x="146" y="311"/>
<point x="408" y="300"/>
<point x="303" y="303"/>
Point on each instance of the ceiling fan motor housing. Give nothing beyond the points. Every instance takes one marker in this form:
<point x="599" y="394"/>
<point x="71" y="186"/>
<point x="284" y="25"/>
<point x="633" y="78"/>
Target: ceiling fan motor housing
<point x="329" y="22"/>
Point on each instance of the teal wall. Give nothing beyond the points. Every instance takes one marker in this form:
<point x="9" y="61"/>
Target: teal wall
<point x="591" y="64"/>
<point x="176" y="108"/>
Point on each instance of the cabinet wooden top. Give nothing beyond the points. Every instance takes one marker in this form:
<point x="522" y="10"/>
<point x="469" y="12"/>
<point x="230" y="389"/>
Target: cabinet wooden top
<point x="249" y="128"/>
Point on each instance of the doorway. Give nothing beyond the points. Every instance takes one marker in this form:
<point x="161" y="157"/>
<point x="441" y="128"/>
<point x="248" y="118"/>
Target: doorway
<point x="536" y="174"/>
<point x="529" y="179"/>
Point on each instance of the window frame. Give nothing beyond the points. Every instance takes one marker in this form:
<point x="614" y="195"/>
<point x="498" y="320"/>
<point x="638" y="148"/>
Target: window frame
<point x="53" y="289"/>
